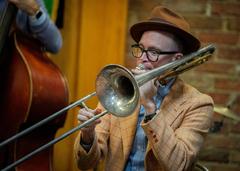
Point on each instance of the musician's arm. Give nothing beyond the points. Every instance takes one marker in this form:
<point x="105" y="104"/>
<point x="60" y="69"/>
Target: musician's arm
<point x="41" y="27"/>
<point x="176" y="149"/>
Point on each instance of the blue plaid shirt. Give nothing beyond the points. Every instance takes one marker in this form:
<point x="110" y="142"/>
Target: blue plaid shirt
<point x="135" y="161"/>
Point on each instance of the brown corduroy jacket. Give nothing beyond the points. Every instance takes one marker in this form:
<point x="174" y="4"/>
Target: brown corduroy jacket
<point x="175" y="135"/>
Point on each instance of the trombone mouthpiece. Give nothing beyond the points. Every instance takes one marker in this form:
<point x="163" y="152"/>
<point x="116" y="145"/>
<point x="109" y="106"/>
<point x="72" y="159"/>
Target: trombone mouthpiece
<point x="140" y="67"/>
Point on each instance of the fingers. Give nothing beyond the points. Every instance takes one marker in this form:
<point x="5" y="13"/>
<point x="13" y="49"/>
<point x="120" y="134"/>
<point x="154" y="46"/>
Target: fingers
<point x="97" y="111"/>
<point x="29" y="6"/>
<point x="82" y="117"/>
<point x="139" y="70"/>
<point x="86" y="114"/>
<point x="140" y="67"/>
<point x="147" y="92"/>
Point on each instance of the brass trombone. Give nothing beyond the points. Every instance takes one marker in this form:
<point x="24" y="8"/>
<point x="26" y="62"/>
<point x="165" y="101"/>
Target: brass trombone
<point x="118" y="92"/>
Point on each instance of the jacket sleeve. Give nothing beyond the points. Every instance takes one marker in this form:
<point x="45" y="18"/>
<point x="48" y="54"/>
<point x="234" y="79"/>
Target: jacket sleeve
<point x="87" y="160"/>
<point x="42" y="29"/>
<point x="176" y="149"/>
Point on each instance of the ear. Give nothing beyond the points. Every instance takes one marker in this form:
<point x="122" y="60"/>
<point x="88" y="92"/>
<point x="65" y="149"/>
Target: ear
<point x="177" y="56"/>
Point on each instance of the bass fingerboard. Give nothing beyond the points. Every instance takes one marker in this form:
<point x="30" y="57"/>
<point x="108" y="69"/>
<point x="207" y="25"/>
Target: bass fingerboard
<point x="7" y="16"/>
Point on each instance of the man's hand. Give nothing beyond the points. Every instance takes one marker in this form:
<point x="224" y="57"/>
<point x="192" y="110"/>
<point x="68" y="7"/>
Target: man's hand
<point x="147" y="92"/>
<point x="29" y="6"/>
<point x="88" y="132"/>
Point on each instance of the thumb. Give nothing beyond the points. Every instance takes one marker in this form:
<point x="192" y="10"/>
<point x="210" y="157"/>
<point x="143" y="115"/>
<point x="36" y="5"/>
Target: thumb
<point x="97" y="111"/>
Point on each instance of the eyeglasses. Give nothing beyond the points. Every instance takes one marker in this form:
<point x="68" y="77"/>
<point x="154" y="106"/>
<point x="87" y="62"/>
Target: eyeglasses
<point x="152" y="54"/>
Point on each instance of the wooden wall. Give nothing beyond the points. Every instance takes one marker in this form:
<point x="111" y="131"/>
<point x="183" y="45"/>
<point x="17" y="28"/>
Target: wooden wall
<point x="94" y="36"/>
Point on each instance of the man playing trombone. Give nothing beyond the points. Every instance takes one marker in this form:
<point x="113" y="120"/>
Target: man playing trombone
<point x="167" y="130"/>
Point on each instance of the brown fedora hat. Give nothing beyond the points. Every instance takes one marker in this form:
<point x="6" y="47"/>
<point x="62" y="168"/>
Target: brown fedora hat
<point x="164" y="19"/>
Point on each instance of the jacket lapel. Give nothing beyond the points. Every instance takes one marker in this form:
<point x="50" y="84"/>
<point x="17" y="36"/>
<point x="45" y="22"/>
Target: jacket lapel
<point x="171" y="104"/>
<point x="128" y="129"/>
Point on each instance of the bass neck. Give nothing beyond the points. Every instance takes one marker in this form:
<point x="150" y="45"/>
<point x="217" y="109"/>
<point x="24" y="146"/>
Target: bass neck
<point x="6" y="20"/>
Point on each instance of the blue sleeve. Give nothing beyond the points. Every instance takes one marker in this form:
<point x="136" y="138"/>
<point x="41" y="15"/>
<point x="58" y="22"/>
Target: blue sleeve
<point x="42" y="29"/>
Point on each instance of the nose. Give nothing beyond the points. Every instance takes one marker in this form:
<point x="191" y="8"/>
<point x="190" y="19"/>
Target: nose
<point x="144" y="56"/>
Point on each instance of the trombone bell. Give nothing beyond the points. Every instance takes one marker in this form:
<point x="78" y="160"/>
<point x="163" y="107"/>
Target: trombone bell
<point x="117" y="90"/>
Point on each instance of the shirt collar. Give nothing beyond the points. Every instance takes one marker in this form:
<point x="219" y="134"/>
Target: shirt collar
<point x="164" y="89"/>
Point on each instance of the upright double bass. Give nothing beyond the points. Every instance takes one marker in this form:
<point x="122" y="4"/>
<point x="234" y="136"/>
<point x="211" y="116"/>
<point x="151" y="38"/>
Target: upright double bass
<point x="31" y="88"/>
